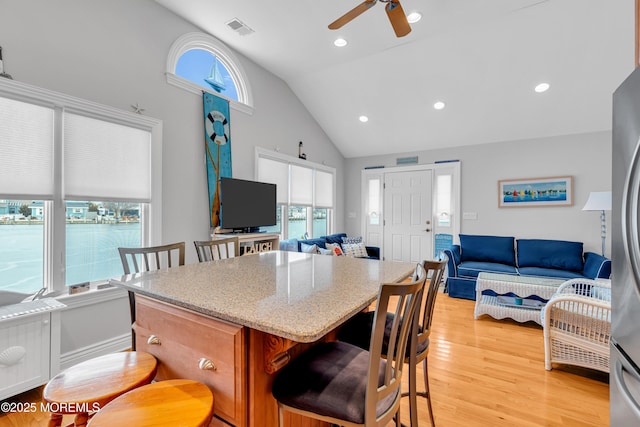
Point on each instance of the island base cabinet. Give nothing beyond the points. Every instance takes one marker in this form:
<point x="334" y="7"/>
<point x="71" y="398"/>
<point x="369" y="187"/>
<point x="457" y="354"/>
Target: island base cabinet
<point x="266" y="350"/>
<point x="190" y="345"/>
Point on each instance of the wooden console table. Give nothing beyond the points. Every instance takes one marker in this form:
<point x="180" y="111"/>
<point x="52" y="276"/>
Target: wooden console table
<point x="251" y="243"/>
<point x="234" y="323"/>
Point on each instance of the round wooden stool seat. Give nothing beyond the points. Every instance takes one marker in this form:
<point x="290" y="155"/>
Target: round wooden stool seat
<point x="89" y="386"/>
<point x="169" y="403"/>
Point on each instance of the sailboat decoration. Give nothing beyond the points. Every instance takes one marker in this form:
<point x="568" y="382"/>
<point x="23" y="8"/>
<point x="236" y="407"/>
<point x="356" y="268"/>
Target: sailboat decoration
<point x="215" y="79"/>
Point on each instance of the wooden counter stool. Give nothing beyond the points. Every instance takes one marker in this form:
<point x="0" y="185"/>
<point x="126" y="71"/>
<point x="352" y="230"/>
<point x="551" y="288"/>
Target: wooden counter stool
<point x="89" y="386"/>
<point x="167" y="403"/>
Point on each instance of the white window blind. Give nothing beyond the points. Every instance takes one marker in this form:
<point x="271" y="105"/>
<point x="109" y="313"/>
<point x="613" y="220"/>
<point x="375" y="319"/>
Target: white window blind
<point x="324" y="189"/>
<point x="26" y="150"/>
<point x="275" y="172"/>
<point x="105" y="161"/>
<point x="301" y="185"/>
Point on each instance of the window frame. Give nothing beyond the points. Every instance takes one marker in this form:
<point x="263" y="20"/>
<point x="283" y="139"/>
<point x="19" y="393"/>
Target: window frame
<point x="202" y="41"/>
<point x="54" y="259"/>
<point x="284" y="208"/>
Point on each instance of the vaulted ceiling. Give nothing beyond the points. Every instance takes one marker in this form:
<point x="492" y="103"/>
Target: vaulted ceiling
<point x="481" y="58"/>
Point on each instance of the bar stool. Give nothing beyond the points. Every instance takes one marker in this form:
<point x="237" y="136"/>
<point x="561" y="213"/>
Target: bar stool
<point x="169" y="403"/>
<point x="89" y="386"/>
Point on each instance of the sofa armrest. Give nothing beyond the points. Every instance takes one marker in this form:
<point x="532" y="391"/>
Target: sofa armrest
<point x="373" y="252"/>
<point x="453" y="255"/>
<point x="596" y="266"/>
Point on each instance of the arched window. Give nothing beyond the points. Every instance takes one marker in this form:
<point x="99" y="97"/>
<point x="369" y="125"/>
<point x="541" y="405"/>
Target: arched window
<point x="198" y="62"/>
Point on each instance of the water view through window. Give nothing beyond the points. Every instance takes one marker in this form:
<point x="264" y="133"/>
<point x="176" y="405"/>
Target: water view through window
<point x="94" y="232"/>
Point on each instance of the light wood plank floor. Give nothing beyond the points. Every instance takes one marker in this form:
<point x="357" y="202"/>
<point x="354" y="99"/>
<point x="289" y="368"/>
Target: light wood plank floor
<point x="482" y="372"/>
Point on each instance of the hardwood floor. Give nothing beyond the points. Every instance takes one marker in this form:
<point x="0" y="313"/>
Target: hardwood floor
<point x="482" y="372"/>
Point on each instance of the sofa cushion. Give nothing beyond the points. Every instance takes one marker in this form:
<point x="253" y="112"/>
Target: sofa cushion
<point x="553" y="254"/>
<point x="497" y="249"/>
<point x="334" y="238"/>
<point x="473" y="268"/>
<point x="549" y="272"/>
<point x="320" y="242"/>
<point x="290" y="245"/>
<point x="309" y="249"/>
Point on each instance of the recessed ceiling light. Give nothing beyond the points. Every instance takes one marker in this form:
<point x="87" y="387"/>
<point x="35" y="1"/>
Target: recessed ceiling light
<point x="364" y="119"/>
<point x="542" y="87"/>
<point x="438" y="105"/>
<point x="414" y="17"/>
<point x="340" y="42"/>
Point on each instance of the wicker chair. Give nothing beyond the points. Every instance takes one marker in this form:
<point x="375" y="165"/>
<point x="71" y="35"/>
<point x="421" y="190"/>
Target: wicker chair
<point x="577" y="324"/>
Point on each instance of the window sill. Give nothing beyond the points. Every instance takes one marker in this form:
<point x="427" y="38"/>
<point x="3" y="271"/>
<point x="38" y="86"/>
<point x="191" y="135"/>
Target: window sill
<point x="92" y="296"/>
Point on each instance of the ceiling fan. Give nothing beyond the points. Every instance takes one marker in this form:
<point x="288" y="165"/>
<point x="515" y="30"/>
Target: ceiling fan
<point x="394" y="11"/>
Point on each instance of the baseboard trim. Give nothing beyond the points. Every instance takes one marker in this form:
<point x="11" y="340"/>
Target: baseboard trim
<point x="119" y="343"/>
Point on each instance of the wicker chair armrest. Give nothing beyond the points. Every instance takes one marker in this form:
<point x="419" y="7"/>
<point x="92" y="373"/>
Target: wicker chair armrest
<point x="579" y="286"/>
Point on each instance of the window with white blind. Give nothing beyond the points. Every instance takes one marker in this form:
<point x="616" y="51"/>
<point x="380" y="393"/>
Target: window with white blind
<point x="77" y="181"/>
<point x="305" y="194"/>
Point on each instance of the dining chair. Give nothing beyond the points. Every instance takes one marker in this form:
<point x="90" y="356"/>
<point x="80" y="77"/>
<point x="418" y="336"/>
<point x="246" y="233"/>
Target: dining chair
<point x="346" y="385"/>
<point x="356" y="332"/>
<point x="209" y="250"/>
<point x="137" y="260"/>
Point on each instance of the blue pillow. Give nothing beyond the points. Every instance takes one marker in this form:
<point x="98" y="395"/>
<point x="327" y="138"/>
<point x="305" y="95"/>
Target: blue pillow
<point x="498" y="249"/>
<point x="558" y="254"/>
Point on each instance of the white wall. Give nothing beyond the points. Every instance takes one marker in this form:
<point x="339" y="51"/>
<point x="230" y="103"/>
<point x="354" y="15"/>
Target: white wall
<point x="114" y="52"/>
<point x="587" y="157"/>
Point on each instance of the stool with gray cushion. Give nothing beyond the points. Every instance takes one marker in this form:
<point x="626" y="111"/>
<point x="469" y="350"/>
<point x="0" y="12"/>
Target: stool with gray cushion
<point x="343" y="384"/>
<point x="357" y="331"/>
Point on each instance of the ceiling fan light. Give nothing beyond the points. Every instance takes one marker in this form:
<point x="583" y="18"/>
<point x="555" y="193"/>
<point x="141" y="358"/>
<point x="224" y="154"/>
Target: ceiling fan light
<point x="414" y="17"/>
<point x="340" y="42"/>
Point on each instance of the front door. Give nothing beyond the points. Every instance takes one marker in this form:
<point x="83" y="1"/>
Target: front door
<point x="407" y="216"/>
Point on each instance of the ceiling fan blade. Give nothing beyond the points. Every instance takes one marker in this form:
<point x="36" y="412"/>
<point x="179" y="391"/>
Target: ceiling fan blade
<point x="398" y="18"/>
<point x="353" y="13"/>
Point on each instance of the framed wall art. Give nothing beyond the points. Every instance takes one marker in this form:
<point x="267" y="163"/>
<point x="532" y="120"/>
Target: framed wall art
<point x="532" y="192"/>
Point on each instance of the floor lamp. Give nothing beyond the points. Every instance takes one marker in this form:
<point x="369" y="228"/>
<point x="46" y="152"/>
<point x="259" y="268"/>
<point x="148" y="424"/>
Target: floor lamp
<point x="599" y="201"/>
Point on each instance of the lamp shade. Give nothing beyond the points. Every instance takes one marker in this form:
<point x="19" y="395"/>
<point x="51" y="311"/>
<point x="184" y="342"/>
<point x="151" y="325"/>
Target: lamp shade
<point x="598" y="201"/>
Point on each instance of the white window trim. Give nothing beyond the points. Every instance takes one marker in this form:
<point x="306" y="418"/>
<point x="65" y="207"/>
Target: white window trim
<point x="284" y="158"/>
<point x="202" y="41"/>
<point x="53" y="274"/>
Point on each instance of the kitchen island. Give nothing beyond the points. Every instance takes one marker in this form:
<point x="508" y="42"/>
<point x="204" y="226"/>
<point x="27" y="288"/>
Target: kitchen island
<point x="234" y="323"/>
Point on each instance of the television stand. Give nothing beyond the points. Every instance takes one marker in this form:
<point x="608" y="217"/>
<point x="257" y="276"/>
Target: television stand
<point x="251" y="243"/>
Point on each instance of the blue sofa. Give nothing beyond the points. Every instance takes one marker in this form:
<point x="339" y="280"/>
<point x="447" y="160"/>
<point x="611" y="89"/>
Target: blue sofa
<point x="295" y="245"/>
<point x="525" y="257"/>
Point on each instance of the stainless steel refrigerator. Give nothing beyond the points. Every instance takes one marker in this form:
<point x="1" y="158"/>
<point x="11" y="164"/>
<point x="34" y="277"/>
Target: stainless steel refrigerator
<point x="625" y="326"/>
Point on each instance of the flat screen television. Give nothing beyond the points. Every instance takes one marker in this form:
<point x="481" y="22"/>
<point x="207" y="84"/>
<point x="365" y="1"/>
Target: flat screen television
<point x="246" y="205"/>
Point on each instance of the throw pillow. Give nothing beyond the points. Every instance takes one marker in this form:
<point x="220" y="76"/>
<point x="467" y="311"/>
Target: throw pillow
<point x="325" y="251"/>
<point x="357" y="250"/>
<point x="335" y="248"/>
<point x="309" y="249"/>
<point x="351" y="240"/>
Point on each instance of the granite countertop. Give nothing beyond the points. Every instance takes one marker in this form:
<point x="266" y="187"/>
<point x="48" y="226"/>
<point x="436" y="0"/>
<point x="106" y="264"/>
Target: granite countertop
<point x="293" y="295"/>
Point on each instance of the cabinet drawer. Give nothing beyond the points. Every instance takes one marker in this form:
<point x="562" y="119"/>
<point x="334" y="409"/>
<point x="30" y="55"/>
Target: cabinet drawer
<point x="180" y="339"/>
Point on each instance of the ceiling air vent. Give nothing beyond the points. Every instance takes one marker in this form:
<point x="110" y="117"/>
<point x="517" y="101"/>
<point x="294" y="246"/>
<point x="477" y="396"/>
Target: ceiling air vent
<point x="401" y="161"/>
<point x="240" y="27"/>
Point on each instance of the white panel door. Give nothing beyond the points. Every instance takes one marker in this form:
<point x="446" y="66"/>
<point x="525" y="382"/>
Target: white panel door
<point x="407" y="216"/>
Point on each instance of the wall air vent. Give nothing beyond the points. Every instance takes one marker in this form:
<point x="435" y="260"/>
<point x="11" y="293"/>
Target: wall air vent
<point x="240" y="27"/>
<point x="406" y="160"/>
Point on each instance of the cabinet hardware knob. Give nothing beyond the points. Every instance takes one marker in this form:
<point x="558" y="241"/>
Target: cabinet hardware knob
<point x="206" y="364"/>
<point x="153" y="340"/>
<point x="427" y="230"/>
